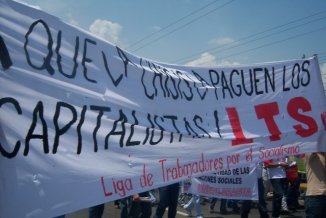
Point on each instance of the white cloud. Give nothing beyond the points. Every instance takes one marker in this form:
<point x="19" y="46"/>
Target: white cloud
<point x="204" y="60"/>
<point x="227" y="63"/>
<point x="207" y="59"/>
<point x="222" y="41"/>
<point x="73" y="22"/>
<point x="106" y="30"/>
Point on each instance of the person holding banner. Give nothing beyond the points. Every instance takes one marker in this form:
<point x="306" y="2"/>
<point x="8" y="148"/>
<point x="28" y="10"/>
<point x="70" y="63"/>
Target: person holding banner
<point x="277" y="176"/>
<point x="315" y="199"/>
<point x="137" y="206"/>
<point x="293" y="189"/>
<point x="168" y="198"/>
<point x="96" y="211"/>
<point x="262" y="208"/>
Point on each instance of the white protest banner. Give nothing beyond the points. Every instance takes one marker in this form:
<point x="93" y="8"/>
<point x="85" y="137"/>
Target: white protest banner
<point x="84" y="122"/>
<point x="236" y="183"/>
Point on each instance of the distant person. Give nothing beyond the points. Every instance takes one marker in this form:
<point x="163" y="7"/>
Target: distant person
<point x="315" y="199"/>
<point x="277" y="177"/>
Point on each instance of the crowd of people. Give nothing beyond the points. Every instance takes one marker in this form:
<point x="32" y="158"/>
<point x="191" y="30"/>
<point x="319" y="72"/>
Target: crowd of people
<point x="279" y="176"/>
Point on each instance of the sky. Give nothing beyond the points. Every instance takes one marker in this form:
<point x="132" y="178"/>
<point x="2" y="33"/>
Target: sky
<point x="205" y="32"/>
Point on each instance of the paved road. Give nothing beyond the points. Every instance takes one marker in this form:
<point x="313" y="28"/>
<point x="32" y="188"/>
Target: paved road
<point x="111" y="212"/>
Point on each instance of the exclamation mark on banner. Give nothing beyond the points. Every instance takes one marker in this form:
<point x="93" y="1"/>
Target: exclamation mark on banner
<point x="4" y="55"/>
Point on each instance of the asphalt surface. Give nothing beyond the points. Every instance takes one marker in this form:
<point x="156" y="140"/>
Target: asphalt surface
<point x="112" y="212"/>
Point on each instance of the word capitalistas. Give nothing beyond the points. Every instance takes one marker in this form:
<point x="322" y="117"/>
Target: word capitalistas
<point x="124" y="125"/>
